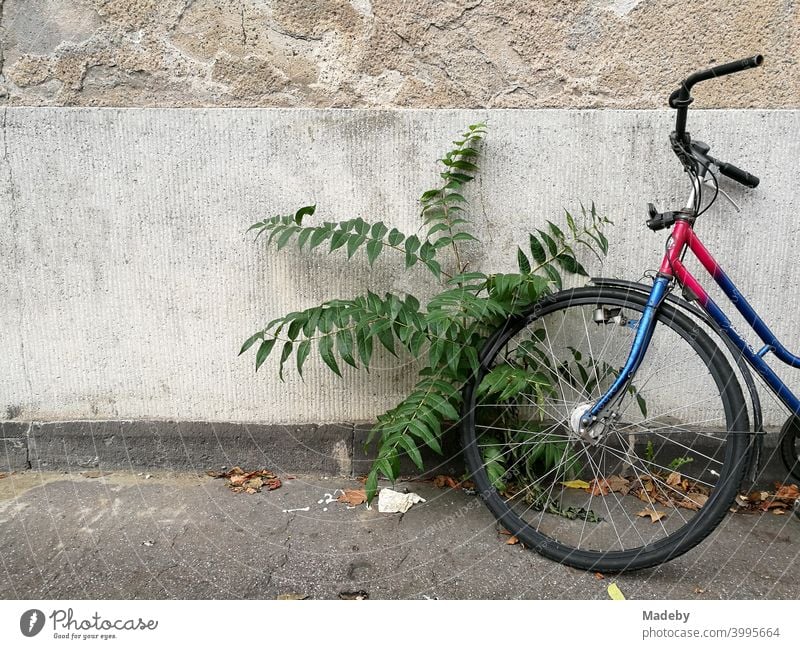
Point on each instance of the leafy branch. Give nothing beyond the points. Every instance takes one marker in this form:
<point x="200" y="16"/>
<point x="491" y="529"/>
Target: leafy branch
<point x="446" y="333"/>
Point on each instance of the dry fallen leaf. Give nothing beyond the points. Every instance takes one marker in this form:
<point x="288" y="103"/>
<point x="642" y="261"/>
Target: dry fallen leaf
<point x="787" y="491"/>
<point x="693" y="501"/>
<point x="95" y="474"/>
<point x="598" y="487"/>
<point x="442" y="481"/>
<point x="358" y="594"/>
<point x="674" y="479"/>
<point x="653" y="514"/>
<point x="353" y="497"/>
<point x="512" y="540"/>
<point x="576" y="484"/>
<point x="614" y="592"/>
<point x="619" y="484"/>
<point x="292" y="596"/>
<point x="699" y="591"/>
<point x="251" y="482"/>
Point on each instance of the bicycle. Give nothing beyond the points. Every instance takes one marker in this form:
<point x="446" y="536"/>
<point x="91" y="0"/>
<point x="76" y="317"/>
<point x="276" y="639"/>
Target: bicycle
<point x="615" y="469"/>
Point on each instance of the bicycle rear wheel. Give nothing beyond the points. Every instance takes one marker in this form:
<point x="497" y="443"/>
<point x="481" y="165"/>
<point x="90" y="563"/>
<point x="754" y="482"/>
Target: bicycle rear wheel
<point x="659" y="479"/>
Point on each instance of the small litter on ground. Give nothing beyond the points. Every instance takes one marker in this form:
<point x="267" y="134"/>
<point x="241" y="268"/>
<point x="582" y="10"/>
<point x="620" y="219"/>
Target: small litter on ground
<point x="394" y="502"/>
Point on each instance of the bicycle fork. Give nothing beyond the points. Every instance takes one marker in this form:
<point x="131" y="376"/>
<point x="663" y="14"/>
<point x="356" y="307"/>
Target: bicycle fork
<point x="592" y="423"/>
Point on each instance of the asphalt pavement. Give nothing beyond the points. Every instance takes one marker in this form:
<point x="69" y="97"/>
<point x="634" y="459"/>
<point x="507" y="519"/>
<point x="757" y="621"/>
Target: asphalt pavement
<point x="138" y="535"/>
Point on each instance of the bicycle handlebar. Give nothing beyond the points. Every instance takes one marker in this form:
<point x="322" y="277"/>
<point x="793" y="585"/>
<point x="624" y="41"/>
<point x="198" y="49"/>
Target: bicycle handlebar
<point x="680" y="100"/>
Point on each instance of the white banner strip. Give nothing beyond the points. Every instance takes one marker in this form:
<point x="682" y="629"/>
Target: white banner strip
<point x="407" y="624"/>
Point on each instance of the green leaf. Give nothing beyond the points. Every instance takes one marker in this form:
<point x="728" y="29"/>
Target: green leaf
<point x="553" y="275"/>
<point x="319" y="235"/>
<point x="412" y="244"/>
<point x="463" y="165"/>
<point x="353" y="243"/>
<point x="287" y="350"/>
<point x="467" y="277"/>
<point x="302" y="238"/>
<point x="463" y="236"/>
<point x="434" y="267"/>
<point x="416" y="342"/>
<point x="395" y="237"/>
<point x="386" y="338"/>
<point x="523" y="262"/>
<point x="286" y="236"/>
<point x="537" y="250"/>
<point x="454" y="197"/>
<point x="312" y="318"/>
<point x="411" y="448"/>
<point x="455" y="175"/>
<point x="364" y="345"/>
<point x="295" y="326"/>
<point x="642" y="404"/>
<point x="425" y="434"/>
<point x="303" y="349"/>
<point x="308" y="210"/>
<point x="361" y="227"/>
<point x="339" y="238"/>
<point x="374" y="248"/>
<point x="571" y="265"/>
<point x="426" y="251"/>
<point x="603" y="242"/>
<point x="571" y="223"/>
<point x="557" y="232"/>
<point x="263" y="351"/>
<point x="551" y="245"/>
<point x="325" y="347"/>
<point x="251" y="341"/>
<point x="443" y="406"/>
<point x="344" y="346"/>
<point x="378" y="230"/>
<point x="371" y="485"/>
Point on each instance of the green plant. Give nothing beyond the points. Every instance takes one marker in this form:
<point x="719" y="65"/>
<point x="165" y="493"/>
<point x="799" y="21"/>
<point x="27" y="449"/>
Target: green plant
<point x="448" y="330"/>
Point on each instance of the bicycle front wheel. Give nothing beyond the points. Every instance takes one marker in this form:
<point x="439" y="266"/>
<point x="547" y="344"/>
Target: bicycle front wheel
<point x="790" y="446"/>
<point x="658" y="479"/>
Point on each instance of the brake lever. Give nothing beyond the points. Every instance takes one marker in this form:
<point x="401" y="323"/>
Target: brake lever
<point x="711" y="183"/>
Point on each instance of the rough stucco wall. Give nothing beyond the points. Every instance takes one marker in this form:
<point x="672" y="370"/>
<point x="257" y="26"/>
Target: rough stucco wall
<point x="385" y="53"/>
<point x="130" y="284"/>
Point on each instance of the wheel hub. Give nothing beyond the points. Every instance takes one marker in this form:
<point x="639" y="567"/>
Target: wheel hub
<point x="590" y="433"/>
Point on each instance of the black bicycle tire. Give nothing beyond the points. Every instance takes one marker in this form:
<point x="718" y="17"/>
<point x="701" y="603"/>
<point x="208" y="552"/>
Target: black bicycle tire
<point x="789" y="440"/>
<point x="673" y="545"/>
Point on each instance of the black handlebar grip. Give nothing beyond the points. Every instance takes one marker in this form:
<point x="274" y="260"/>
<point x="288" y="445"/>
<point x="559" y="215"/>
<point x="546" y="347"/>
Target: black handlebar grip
<point x="726" y="68"/>
<point x="740" y="176"/>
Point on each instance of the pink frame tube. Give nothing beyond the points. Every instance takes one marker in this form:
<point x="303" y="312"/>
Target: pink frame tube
<point x="683" y="235"/>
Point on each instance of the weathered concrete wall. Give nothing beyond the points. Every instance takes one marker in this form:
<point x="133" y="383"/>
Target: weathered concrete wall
<point x="129" y="282"/>
<point x="364" y="53"/>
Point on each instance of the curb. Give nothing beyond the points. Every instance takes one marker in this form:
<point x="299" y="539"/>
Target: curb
<point x="327" y="449"/>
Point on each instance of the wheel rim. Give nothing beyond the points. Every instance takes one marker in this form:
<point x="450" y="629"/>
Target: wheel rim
<point x="620" y="497"/>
